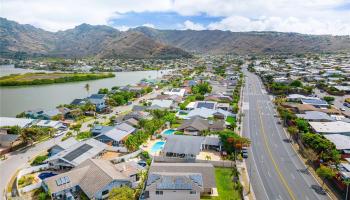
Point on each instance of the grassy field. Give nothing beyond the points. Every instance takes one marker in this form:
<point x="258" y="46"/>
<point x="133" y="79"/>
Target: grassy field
<point x="226" y="190"/>
<point x="49" y="78"/>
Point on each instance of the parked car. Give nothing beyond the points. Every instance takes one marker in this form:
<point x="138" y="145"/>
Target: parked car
<point x="342" y="109"/>
<point x="142" y="163"/>
<point x="59" y="133"/>
<point x="245" y="154"/>
<point x="319" y="189"/>
<point x="347" y="104"/>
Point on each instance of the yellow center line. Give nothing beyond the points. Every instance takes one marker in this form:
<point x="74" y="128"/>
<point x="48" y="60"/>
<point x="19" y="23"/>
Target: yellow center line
<point x="290" y="192"/>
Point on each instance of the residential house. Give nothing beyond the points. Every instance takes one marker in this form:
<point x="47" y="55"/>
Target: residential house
<point x="315" y="116"/>
<point x="51" y="124"/>
<point x="180" y="181"/>
<point x="44" y="114"/>
<point x="113" y="135"/>
<point x="76" y="154"/>
<point x="99" y="100"/>
<point x="7" y="141"/>
<point x="180" y="148"/>
<point x="341" y="142"/>
<point x="163" y="104"/>
<point x="198" y="125"/>
<point x="335" y="127"/>
<point x="318" y="103"/>
<point x="12" y="121"/>
<point x="63" y="145"/>
<point x="93" y="177"/>
<point x="176" y="91"/>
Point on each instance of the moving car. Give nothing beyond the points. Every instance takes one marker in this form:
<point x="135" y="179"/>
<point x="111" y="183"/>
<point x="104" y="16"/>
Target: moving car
<point x="342" y="109"/>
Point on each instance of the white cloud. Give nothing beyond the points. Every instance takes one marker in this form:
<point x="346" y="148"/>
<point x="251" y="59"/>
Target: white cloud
<point x="306" y="16"/>
<point x="290" y="24"/>
<point x="193" y="26"/>
<point x="149" y="25"/>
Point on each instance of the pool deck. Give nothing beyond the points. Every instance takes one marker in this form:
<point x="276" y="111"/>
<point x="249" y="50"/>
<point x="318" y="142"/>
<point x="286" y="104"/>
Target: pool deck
<point x="148" y="146"/>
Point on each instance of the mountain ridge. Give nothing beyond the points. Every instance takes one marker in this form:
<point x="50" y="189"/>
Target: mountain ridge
<point x="145" y="42"/>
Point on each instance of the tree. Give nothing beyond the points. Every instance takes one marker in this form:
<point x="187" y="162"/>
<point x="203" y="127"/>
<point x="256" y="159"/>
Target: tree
<point x="103" y="91"/>
<point x="122" y="193"/>
<point x="325" y="173"/>
<point x="293" y="131"/>
<point x="87" y="88"/>
<point x="302" y="125"/>
<point x="329" y="99"/>
<point x="347" y="183"/>
<point x="296" y="83"/>
<point x="310" y="155"/>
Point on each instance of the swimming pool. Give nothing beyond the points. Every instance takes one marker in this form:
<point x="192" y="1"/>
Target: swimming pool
<point x="169" y="132"/>
<point x="45" y="175"/>
<point x="157" y="146"/>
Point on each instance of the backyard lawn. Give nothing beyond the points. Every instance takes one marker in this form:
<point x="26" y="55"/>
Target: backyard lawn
<point x="231" y="120"/>
<point x="226" y="190"/>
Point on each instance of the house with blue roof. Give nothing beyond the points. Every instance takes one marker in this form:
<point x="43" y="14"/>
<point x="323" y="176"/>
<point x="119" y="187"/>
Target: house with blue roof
<point x="318" y="103"/>
<point x="99" y="100"/>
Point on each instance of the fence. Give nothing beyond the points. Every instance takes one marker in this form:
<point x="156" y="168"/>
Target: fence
<point x="30" y="187"/>
<point x="126" y="157"/>
<point x="30" y="170"/>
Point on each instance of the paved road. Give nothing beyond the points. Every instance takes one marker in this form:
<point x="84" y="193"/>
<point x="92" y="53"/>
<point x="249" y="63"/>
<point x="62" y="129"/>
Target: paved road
<point x="273" y="165"/>
<point x="19" y="159"/>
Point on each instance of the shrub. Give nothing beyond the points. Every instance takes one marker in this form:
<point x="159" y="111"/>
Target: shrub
<point x="38" y="160"/>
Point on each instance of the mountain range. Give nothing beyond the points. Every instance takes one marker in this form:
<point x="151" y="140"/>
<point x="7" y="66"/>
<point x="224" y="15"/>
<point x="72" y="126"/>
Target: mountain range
<point x="144" y="42"/>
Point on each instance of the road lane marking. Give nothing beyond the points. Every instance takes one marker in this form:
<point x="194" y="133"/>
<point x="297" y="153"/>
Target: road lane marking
<point x="284" y="182"/>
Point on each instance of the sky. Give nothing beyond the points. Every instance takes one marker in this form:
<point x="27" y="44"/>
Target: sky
<point x="302" y="16"/>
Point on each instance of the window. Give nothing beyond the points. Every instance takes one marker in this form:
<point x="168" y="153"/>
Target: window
<point x="104" y="192"/>
<point x="159" y="192"/>
<point x="192" y="192"/>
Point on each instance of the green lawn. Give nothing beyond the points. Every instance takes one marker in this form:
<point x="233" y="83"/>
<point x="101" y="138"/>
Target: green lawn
<point x="84" y="135"/>
<point x="231" y="120"/>
<point x="223" y="178"/>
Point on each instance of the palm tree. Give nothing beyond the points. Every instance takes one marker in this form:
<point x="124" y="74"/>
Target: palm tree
<point x="87" y="88"/>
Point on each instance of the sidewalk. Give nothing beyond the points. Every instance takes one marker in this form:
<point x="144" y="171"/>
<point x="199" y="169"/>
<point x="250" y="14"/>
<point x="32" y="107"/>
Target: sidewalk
<point x="248" y="193"/>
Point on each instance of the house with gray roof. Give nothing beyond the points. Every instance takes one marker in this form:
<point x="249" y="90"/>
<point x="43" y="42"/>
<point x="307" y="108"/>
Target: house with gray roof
<point x="76" y="154"/>
<point x="63" y="145"/>
<point x="94" y="177"/>
<point x="198" y="125"/>
<point x="163" y="103"/>
<point x="316" y="116"/>
<point x="113" y="135"/>
<point x="186" y="148"/>
<point x="12" y="121"/>
<point x="180" y="181"/>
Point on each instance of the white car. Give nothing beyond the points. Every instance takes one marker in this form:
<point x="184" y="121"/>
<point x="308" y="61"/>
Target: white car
<point x="342" y="109"/>
<point x="59" y="133"/>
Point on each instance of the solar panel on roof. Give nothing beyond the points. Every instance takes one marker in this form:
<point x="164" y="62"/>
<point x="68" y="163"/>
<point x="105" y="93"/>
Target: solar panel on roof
<point x="205" y="105"/>
<point x="77" y="152"/>
<point x="67" y="179"/>
<point x="59" y="182"/>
